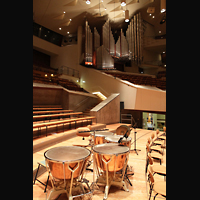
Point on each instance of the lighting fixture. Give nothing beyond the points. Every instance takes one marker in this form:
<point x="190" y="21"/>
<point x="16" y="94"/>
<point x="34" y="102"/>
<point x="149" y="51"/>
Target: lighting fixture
<point x="87" y="1"/>
<point x="127" y="16"/>
<point x="162" y="6"/>
<point x="59" y="28"/>
<point x="123" y="2"/>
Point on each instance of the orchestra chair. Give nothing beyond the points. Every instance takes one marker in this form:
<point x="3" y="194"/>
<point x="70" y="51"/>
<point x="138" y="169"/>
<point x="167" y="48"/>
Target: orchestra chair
<point x="155" y="141"/>
<point x="156" y="156"/>
<point x="154" y="148"/>
<point x="159" y="187"/>
<point x="155" y="169"/>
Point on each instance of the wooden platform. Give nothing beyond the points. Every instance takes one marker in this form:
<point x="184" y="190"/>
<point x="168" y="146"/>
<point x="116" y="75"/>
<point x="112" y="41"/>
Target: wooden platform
<point x="140" y="188"/>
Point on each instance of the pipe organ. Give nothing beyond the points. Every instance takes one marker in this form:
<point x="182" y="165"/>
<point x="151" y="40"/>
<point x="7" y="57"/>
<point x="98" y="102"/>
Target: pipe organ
<point x="88" y="44"/>
<point x="118" y="52"/>
<point x="96" y="39"/>
<point x="112" y="43"/>
<point x="102" y="53"/>
<point x="105" y="35"/>
<point x="104" y="59"/>
<point x="134" y="36"/>
<point x="124" y="45"/>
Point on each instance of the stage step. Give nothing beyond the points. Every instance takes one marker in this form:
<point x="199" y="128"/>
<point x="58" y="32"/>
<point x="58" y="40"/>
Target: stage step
<point x="44" y="142"/>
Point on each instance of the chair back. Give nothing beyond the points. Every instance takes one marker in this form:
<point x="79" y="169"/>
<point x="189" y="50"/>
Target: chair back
<point x="150" y="159"/>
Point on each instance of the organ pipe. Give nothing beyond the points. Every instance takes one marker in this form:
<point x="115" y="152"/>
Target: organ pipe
<point x="96" y="39"/>
<point x="112" y="43"/>
<point x="88" y="44"/>
<point x="134" y="36"/>
<point x="124" y="45"/>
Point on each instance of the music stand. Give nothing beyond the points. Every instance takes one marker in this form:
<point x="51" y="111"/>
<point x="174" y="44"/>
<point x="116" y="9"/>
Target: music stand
<point x="135" y="132"/>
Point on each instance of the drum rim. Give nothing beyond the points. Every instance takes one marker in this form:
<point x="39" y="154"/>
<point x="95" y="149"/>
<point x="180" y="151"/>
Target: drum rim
<point x="98" y="134"/>
<point x="110" y="153"/>
<point x="67" y="161"/>
<point x="130" y="138"/>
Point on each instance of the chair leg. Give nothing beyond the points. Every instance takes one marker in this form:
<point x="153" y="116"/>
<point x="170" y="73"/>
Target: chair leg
<point x="155" y="196"/>
<point x="36" y="174"/>
<point x="151" y="188"/>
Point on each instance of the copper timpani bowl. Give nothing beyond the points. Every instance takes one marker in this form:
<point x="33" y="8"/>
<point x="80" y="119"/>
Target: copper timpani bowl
<point x="110" y="154"/>
<point x="65" y="159"/>
<point x="115" y="139"/>
<point x="100" y="136"/>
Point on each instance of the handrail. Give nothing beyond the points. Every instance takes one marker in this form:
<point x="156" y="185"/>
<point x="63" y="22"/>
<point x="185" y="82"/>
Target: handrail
<point x="68" y="71"/>
<point x="81" y="103"/>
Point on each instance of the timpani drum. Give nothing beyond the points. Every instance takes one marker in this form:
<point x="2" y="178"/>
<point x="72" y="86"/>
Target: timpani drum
<point x="110" y="156"/>
<point x="65" y="160"/>
<point x="121" y="130"/>
<point x="99" y="137"/>
<point x="115" y="139"/>
<point x="66" y="165"/>
<point x="110" y="161"/>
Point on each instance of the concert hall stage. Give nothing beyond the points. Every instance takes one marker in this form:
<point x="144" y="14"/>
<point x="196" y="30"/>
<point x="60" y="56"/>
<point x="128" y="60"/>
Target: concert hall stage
<point x="140" y="187"/>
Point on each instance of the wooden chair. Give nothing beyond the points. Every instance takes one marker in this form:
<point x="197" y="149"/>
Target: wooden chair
<point x="156" y="169"/>
<point x="159" y="187"/>
<point x="156" y="156"/>
<point x="154" y="148"/>
<point x="155" y="141"/>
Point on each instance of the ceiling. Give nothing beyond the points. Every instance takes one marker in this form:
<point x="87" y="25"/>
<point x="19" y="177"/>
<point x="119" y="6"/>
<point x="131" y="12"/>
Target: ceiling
<point x="50" y="14"/>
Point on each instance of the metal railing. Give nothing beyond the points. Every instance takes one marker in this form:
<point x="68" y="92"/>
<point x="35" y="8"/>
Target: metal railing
<point x="68" y="71"/>
<point x="130" y="118"/>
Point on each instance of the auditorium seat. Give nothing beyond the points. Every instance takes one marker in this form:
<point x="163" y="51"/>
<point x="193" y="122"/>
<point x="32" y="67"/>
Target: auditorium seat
<point x="140" y="80"/>
<point x="48" y="78"/>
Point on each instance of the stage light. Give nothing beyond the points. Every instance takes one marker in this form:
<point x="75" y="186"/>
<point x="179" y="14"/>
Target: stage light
<point x="162" y="6"/>
<point x="123" y="2"/>
<point x="127" y="16"/>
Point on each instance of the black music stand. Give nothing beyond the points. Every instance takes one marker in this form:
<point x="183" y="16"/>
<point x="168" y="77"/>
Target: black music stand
<point x="135" y="132"/>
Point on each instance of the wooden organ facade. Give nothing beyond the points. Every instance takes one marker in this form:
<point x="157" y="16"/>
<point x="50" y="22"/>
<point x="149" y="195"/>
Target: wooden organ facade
<point x="100" y="50"/>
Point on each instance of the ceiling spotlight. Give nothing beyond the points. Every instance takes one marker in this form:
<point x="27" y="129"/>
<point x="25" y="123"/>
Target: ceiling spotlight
<point x="162" y="6"/>
<point x="123" y="2"/>
<point x="59" y="28"/>
<point x="87" y="1"/>
<point x="127" y="16"/>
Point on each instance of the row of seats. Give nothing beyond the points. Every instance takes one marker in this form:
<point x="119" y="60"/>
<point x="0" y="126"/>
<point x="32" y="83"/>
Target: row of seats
<point x="49" y="78"/>
<point x="48" y="116"/>
<point x="140" y="80"/>
<point x="154" y="150"/>
<point x="161" y="74"/>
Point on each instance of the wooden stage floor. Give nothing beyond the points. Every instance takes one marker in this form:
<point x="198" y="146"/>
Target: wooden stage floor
<point x="140" y="187"/>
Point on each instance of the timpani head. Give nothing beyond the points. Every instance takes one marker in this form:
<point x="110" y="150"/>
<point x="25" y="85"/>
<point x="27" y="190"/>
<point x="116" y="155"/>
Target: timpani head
<point x="121" y="130"/>
<point x="115" y="139"/>
<point x="67" y="160"/>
